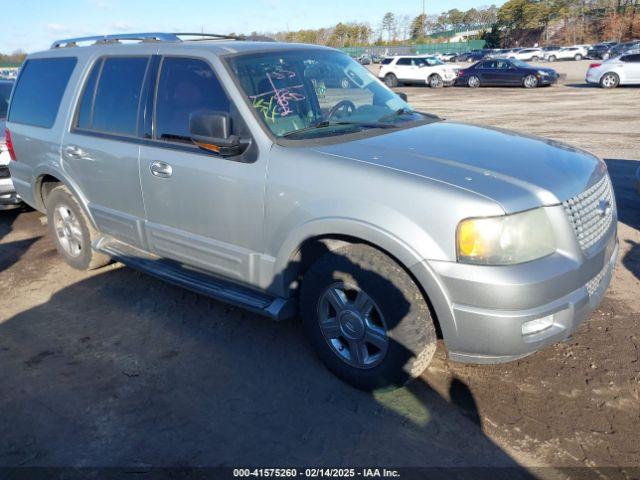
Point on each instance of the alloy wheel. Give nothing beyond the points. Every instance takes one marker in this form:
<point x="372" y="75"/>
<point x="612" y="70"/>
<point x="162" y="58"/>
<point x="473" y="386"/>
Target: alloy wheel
<point x="609" y="81"/>
<point x="530" y="81"/>
<point x="68" y="231"/>
<point x="474" y="82"/>
<point x="353" y="326"/>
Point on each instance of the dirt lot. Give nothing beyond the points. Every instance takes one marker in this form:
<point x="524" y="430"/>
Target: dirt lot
<point x="114" y="368"/>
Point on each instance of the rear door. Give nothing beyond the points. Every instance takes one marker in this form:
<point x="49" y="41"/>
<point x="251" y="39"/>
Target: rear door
<point x="632" y="67"/>
<point x="202" y="209"/>
<point x="101" y="149"/>
<point x="487" y="73"/>
<point x="405" y="69"/>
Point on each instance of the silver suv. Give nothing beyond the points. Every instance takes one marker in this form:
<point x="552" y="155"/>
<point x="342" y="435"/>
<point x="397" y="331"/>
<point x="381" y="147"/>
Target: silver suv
<point x="249" y="172"/>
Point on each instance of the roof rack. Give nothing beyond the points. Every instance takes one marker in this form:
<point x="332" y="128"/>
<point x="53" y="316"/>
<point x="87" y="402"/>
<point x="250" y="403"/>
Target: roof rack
<point x="142" y="37"/>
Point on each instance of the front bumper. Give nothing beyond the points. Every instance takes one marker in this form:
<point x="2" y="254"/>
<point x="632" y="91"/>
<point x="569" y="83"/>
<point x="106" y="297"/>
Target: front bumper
<point x="489" y="305"/>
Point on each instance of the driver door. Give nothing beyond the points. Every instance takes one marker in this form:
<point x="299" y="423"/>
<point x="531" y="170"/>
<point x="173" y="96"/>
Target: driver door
<point x="202" y="209"/>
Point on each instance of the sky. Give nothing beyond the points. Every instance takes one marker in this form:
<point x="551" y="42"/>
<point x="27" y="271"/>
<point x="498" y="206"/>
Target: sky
<point x="33" y="25"/>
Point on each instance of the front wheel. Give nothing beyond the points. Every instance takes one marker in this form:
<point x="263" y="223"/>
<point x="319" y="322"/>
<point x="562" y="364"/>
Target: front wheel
<point x="530" y="81"/>
<point x="535" y="59"/>
<point x="578" y="57"/>
<point x="609" y="80"/>
<point x="366" y="318"/>
<point x="72" y="231"/>
<point x="552" y="58"/>
<point x="435" y="81"/>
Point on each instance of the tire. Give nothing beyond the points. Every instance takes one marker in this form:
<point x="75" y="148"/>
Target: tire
<point x="610" y="80"/>
<point x="390" y="80"/>
<point x="535" y="58"/>
<point x="396" y="307"/>
<point x="473" y="82"/>
<point x="435" y="81"/>
<point x="530" y="81"/>
<point x="578" y="57"/>
<point x="552" y="58"/>
<point x="73" y="233"/>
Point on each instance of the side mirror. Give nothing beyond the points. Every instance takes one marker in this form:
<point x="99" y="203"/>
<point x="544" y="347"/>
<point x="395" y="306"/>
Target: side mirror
<point x="212" y="131"/>
<point x="403" y="96"/>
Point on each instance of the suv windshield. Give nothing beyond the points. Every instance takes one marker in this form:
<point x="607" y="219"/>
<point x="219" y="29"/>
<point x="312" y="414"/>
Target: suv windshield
<point x="302" y="94"/>
<point x="5" y="93"/>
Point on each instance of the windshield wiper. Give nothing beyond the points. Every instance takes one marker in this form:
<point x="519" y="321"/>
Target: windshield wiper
<point x="327" y="123"/>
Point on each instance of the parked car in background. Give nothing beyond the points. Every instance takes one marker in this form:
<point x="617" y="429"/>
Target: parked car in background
<point x="8" y="196"/>
<point x="447" y="57"/>
<point x="527" y="54"/>
<point x="419" y="70"/>
<point x="506" y="73"/>
<point x="470" y="57"/>
<point x="364" y="59"/>
<point x="622" y="70"/>
<point x="567" y="53"/>
<point x="380" y="226"/>
<point x="375" y="58"/>
<point x="621" y="48"/>
<point x="598" y="51"/>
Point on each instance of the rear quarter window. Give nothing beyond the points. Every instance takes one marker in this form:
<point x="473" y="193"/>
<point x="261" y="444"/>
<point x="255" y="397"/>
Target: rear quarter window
<point x="386" y="61"/>
<point x="39" y="90"/>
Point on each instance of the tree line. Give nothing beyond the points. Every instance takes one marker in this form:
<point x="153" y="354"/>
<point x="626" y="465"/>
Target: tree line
<point x="516" y="22"/>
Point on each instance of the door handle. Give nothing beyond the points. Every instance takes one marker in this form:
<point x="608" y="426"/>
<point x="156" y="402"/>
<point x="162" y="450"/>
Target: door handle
<point x="71" y="151"/>
<point x="161" y="169"/>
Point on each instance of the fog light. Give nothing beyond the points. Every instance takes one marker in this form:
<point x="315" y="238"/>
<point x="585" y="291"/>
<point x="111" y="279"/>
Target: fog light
<point x="537" y="325"/>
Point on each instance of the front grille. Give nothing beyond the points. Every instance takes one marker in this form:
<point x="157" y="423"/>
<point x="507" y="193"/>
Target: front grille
<point x="591" y="213"/>
<point x="594" y="283"/>
<point x="4" y="172"/>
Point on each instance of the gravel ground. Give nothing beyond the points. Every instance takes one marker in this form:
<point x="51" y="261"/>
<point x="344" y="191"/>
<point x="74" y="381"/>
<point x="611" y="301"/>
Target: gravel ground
<point x="115" y="368"/>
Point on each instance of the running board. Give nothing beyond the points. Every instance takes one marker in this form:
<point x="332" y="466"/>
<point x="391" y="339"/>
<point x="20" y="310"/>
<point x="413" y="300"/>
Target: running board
<point x="275" y="308"/>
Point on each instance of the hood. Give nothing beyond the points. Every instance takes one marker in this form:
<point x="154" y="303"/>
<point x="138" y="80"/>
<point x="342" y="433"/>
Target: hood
<point x="519" y="172"/>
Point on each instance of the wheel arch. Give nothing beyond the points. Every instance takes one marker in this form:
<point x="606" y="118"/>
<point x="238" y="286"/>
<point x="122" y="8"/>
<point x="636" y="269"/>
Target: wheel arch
<point x="296" y="256"/>
<point x="46" y="179"/>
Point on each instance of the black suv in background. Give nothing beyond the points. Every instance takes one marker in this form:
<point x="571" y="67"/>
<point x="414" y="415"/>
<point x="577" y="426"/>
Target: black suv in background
<point x="597" y="52"/>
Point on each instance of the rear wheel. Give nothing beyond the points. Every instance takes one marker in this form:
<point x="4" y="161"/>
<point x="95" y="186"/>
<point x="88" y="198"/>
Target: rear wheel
<point x="391" y="80"/>
<point x="610" y="80"/>
<point x="535" y="58"/>
<point x="552" y="58"/>
<point x="578" y="57"/>
<point x="473" y="82"/>
<point x="435" y="81"/>
<point x="72" y="231"/>
<point x="530" y="81"/>
<point x="366" y="318"/>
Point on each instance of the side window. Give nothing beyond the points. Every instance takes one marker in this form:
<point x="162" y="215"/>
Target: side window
<point x="85" y="110"/>
<point x="186" y="85"/>
<point x="634" y="58"/>
<point x="404" y="61"/>
<point x="386" y="61"/>
<point x="39" y="91"/>
<point x="117" y="98"/>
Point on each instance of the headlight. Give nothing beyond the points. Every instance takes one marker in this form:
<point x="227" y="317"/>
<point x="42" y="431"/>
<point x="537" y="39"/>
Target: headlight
<point x="505" y="240"/>
<point x="543" y="73"/>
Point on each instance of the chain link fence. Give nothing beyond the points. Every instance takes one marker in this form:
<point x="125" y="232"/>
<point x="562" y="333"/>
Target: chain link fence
<point x="416" y="49"/>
